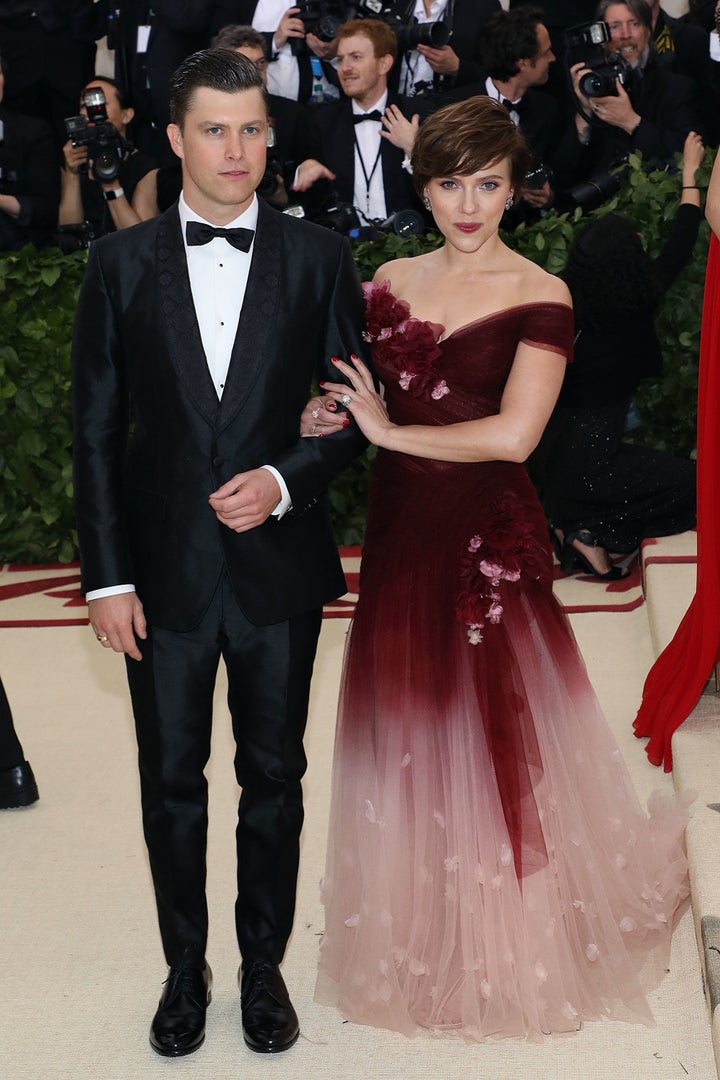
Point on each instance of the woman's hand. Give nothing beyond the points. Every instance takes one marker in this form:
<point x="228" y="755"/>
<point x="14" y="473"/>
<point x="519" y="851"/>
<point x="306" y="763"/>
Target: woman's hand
<point x="361" y="399"/>
<point x="692" y="156"/>
<point x="320" y="417"/>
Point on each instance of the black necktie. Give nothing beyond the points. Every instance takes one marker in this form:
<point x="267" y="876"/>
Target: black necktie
<point x="197" y="232"/>
<point x="374" y="115"/>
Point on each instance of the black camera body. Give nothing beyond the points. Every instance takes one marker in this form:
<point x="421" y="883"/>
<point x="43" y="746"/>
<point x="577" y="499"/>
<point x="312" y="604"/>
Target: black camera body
<point x="585" y="44"/>
<point x="323" y="18"/>
<point x="408" y="31"/>
<point x="105" y="144"/>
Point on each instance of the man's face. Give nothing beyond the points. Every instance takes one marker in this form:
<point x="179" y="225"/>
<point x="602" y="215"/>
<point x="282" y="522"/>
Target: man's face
<point x="362" y="74"/>
<point x="628" y="35"/>
<point x="222" y="146"/>
<point x="118" y="117"/>
<point x="257" y="56"/>
<point x="537" y="70"/>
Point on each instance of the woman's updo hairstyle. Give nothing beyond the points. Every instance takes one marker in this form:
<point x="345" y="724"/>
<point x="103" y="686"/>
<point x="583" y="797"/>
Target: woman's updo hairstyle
<point x="461" y="139"/>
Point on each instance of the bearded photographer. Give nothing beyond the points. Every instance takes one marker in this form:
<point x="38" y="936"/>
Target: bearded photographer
<point x="651" y="111"/>
<point x="98" y="205"/>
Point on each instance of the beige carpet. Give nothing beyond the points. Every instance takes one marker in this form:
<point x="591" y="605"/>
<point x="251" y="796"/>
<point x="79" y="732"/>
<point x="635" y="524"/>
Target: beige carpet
<point x="80" y="961"/>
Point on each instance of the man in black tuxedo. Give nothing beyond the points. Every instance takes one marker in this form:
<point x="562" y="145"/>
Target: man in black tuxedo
<point x="206" y="534"/>
<point x="364" y="167"/>
<point x="447" y="66"/>
<point x="517" y="56"/>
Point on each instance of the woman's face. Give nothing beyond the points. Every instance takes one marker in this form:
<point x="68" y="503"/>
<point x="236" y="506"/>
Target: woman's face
<point x="468" y="209"/>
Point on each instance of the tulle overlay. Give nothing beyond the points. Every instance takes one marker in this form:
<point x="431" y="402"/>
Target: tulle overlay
<point x="490" y="870"/>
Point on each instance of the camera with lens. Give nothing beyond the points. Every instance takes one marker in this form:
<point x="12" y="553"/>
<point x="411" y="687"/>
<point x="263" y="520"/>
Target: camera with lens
<point x="536" y="177"/>
<point x="274" y="167"/>
<point x="323" y="18"/>
<point x="105" y="144"/>
<point x="399" y="17"/>
<point x="585" y="44"/>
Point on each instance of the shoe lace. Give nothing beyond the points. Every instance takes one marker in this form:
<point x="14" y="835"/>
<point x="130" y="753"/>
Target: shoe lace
<point x="182" y="980"/>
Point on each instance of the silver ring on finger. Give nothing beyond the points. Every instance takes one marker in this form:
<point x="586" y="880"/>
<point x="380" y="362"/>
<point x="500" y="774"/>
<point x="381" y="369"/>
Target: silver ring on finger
<point x="315" y="413"/>
<point x="102" y="639"/>
<point x="345" y="399"/>
<point x="313" y="429"/>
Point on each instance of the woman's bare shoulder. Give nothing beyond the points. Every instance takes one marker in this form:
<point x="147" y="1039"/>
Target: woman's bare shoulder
<point x="399" y="272"/>
<point x="538" y="285"/>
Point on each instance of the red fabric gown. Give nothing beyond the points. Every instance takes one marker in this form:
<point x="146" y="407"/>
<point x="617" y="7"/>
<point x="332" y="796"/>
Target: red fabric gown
<point x="676" y="680"/>
<point x="490" y="870"/>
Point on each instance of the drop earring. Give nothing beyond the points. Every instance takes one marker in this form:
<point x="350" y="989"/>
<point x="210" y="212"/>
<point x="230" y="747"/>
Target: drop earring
<point x="426" y="203"/>
<point x="508" y="202"/>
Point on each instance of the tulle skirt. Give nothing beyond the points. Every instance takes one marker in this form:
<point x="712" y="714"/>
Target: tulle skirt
<point x="490" y="870"/>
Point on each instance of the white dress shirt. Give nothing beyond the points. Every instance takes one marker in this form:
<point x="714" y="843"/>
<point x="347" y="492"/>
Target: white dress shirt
<point x="492" y="92"/>
<point x="369" y="189"/>
<point x="218" y="275"/>
<point x="414" y="67"/>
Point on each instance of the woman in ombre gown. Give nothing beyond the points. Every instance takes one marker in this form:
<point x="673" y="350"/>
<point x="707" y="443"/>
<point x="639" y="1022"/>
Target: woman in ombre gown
<point x="490" y="870"/>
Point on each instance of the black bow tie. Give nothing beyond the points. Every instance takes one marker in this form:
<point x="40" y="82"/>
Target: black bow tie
<point x="513" y="106"/>
<point x="197" y="232"/>
<point x="374" y="115"/>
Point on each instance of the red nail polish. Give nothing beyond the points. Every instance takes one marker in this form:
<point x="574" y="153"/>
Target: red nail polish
<point x="334" y="359"/>
<point x="354" y="356"/>
<point x="346" y="421"/>
<point x="321" y="384"/>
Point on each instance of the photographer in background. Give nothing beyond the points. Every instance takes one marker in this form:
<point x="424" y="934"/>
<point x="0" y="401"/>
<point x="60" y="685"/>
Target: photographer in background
<point x="629" y="102"/>
<point x="29" y="183"/>
<point x="454" y="62"/>
<point x="517" y="57"/>
<point x="101" y="204"/>
<point x="301" y="42"/>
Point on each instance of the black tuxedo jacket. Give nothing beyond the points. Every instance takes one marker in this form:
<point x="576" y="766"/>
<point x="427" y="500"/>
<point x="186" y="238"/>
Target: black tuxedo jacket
<point x="142" y="506"/>
<point x="335" y="134"/>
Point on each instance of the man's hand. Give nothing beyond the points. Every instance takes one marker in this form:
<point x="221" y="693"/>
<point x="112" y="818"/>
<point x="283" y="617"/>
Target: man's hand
<point x="308" y="172"/>
<point x="617" y="111"/>
<point x="398" y="130"/>
<point x="324" y="49"/>
<point x="114" y="618"/>
<point x="540" y="198"/>
<point x="289" y="27"/>
<point x="247" y="500"/>
<point x="76" y="157"/>
<point x="444" y="61"/>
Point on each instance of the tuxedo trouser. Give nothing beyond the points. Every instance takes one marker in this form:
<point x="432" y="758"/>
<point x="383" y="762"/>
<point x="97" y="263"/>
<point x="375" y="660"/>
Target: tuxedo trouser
<point x="268" y="670"/>
<point x="11" y="752"/>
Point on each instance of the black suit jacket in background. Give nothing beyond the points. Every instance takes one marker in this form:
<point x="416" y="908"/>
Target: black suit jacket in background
<point x="142" y="506"/>
<point x="30" y="171"/>
<point x="334" y="133"/>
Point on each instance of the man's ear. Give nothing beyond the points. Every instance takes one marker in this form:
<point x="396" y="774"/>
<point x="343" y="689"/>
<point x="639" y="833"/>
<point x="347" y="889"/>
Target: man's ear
<point x="175" y="138"/>
<point x="386" y="62"/>
<point x="127" y="115"/>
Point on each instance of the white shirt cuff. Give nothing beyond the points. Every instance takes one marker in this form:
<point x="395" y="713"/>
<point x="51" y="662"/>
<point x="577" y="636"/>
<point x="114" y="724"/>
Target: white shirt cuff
<point x="285" y="502"/>
<point x="111" y="590"/>
<point x="714" y="46"/>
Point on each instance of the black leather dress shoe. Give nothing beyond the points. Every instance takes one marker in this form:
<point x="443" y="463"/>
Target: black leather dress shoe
<point x="270" y="1023"/>
<point x="17" y="787"/>
<point x="178" y="1026"/>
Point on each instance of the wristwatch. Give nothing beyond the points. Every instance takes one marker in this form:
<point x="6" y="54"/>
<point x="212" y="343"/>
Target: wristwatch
<point x="113" y="193"/>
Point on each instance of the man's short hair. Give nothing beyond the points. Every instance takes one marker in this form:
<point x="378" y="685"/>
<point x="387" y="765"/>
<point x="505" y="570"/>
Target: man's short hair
<point x="639" y="9"/>
<point x="383" y="39"/>
<point x="215" y="69"/>
<point x="234" y="37"/>
<point x="509" y="36"/>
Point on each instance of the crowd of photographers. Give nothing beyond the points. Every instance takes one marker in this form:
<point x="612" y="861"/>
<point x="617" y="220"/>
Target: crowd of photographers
<point x="587" y="83"/>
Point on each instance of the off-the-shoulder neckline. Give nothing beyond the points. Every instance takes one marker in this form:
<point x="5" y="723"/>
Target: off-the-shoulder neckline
<point x="482" y="318"/>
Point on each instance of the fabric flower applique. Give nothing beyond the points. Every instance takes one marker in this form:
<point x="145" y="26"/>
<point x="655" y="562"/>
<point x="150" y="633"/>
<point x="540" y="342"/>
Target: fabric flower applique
<point x="508" y="551"/>
<point x="407" y="345"/>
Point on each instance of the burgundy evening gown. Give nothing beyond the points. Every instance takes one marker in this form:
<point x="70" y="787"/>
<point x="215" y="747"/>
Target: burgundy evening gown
<point x="490" y="870"/>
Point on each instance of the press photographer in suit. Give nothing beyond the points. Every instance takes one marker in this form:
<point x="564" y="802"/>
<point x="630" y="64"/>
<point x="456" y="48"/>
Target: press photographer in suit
<point x="205" y="534"/>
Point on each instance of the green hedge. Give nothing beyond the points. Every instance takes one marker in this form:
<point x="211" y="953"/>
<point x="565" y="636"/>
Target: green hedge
<point x="38" y="292"/>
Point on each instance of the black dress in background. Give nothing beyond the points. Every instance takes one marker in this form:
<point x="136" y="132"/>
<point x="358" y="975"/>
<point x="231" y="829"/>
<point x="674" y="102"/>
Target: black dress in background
<point x="587" y="476"/>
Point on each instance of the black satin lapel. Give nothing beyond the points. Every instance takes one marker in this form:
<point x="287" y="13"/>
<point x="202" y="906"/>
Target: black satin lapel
<point x="258" y="314"/>
<point x="178" y="311"/>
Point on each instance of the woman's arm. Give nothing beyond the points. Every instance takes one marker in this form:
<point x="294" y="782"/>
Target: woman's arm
<point x="511" y="435"/>
<point x="712" y="199"/>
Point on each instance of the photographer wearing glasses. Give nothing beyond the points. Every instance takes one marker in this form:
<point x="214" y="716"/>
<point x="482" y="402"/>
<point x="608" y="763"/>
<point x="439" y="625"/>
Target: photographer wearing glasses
<point x="626" y="99"/>
<point x="101" y="168"/>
